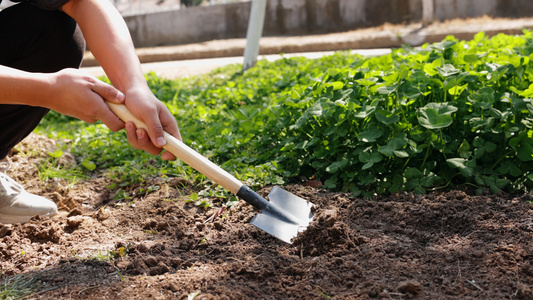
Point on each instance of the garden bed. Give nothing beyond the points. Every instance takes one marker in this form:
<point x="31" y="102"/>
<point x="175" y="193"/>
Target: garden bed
<point x="438" y="246"/>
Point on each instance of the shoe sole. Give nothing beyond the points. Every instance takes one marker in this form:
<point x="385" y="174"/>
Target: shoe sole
<point x="11" y="219"/>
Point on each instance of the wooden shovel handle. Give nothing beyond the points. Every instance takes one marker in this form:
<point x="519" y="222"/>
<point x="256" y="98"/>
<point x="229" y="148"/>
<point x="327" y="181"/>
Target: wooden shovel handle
<point x="184" y="152"/>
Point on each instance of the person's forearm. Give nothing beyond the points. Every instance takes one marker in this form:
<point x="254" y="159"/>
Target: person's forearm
<point x="109" y="40"/>
<point x="19" y="87"/>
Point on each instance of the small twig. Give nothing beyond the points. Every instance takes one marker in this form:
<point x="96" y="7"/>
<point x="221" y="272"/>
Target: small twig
<point x="218" y="213"/>
<point x="475" y="231"/>
<point x="351" y="242"/>
<point x="41" y="292"/>
<point x="397" y="294"/>
<point x="458" y="271"/>
<point x="472" y="282"/>
<point x="233" y="258"/>
<point x="86" y="289"/>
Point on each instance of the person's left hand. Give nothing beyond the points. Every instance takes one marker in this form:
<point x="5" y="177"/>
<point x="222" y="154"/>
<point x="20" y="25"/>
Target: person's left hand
<point x="146" y="107"/>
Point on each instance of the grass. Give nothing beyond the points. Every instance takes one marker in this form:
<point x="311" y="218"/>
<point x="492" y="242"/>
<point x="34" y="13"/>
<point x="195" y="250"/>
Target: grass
<point x="18" y="287"/>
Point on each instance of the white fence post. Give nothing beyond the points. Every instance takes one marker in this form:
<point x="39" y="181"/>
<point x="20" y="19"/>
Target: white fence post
<point x="428" y="11"/>
<point x="254" y="32"/>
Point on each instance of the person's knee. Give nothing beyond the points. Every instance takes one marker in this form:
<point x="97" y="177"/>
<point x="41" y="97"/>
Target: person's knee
<point x="50" y="42"/>
<point x="67" y="43"/>
<point x="65" y="39"/>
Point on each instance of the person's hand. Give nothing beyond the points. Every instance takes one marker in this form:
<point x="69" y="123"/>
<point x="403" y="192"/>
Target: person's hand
<point x="146" y="107"/>
<point x="82" y="96"/>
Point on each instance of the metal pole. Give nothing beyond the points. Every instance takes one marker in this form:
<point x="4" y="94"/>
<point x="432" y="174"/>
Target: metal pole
<point x="253" y="35"/>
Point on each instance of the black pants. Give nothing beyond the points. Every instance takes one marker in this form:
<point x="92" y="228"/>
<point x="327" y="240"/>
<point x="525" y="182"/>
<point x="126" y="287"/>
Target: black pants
<point x="34" y="40"/>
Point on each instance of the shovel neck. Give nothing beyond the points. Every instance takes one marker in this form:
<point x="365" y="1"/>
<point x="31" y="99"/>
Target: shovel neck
<point x="253" y="198"/>
<point x="266" y="207"/>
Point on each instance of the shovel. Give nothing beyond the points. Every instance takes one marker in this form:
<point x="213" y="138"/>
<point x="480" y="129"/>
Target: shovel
<point x="283" y="216"/>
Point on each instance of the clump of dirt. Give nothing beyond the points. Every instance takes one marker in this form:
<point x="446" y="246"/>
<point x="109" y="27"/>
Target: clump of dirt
<point x="448" y="245"/>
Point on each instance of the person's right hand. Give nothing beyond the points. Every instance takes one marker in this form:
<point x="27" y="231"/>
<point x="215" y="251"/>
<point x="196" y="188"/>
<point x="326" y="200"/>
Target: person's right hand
<point x="82" y="96"/>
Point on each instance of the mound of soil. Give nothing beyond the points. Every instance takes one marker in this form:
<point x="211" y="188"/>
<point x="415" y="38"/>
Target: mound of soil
<point x="438" y="246"/>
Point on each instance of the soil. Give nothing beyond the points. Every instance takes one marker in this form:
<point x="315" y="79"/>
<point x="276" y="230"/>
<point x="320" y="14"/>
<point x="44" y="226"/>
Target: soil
<point x="448" y="245"/>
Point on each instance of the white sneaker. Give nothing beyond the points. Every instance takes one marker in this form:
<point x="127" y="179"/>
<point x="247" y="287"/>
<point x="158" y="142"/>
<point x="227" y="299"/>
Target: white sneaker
<point x="19" y="206"/>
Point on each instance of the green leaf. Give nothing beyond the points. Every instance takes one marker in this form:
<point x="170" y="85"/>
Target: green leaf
<point x="366" y="157"/>
<point x="386" y="117"/>
<point x="460" y="163"/>
<point x="436" y="115"/>
<point x="431" y="119"/>
<point x="430" y="69"/>
<point x="464" y="150"/>
<point x="401" y="153"/>
<point x="457" y="90"/>
<point x="478" y="123"/>
<point x="483" y="98"/>
<point x="470" y="58"/>
<point x="56" y="154"/>
<point x="370" y="135"/>
<point x="442" y="108"/>
<point x="88" y="164"/>
<point x="387" y="89"/>
<point x="337" y="85"/>
<point x="367" y="81"/>
<point x="332" y="182"/>
<point x="366" y="111"/>
<point x="448" y="70"/>
<point x="490" y="147"/>
<point x="411" y="173"/>
<point x="522" y="144"/>
<point x="441" y="46"/>
<point x="336" y="166"/>
<point x="368" y="165"/>
<point x="314" y="110"/>
<point x="508" y="167"/>
<point x="419" y="190"/>
<point x="407" y="89"/>
<point x="394" y="145"/>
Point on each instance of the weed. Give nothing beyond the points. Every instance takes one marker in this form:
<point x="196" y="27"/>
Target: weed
<point x="324" y="295"/>
<point x="105" y="255"/>
<point x="122" y="277"/>
<point x="18" y="287"/>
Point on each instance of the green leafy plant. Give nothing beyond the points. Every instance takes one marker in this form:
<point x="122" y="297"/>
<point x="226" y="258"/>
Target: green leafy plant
<point x="448" y="115"/>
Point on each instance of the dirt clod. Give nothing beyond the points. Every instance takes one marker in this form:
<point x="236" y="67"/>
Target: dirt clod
<point x="410" y="286"/>
<point x="328" y="217"/>
<point x="75" y="221"/>
<point x="102" y="214"/>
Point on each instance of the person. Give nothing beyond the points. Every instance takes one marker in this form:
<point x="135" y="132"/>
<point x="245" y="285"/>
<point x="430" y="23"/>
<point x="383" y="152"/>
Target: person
<point x="42" y="43"/>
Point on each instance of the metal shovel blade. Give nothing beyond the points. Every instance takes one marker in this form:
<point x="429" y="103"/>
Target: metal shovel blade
<point x="285" y="216"/>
